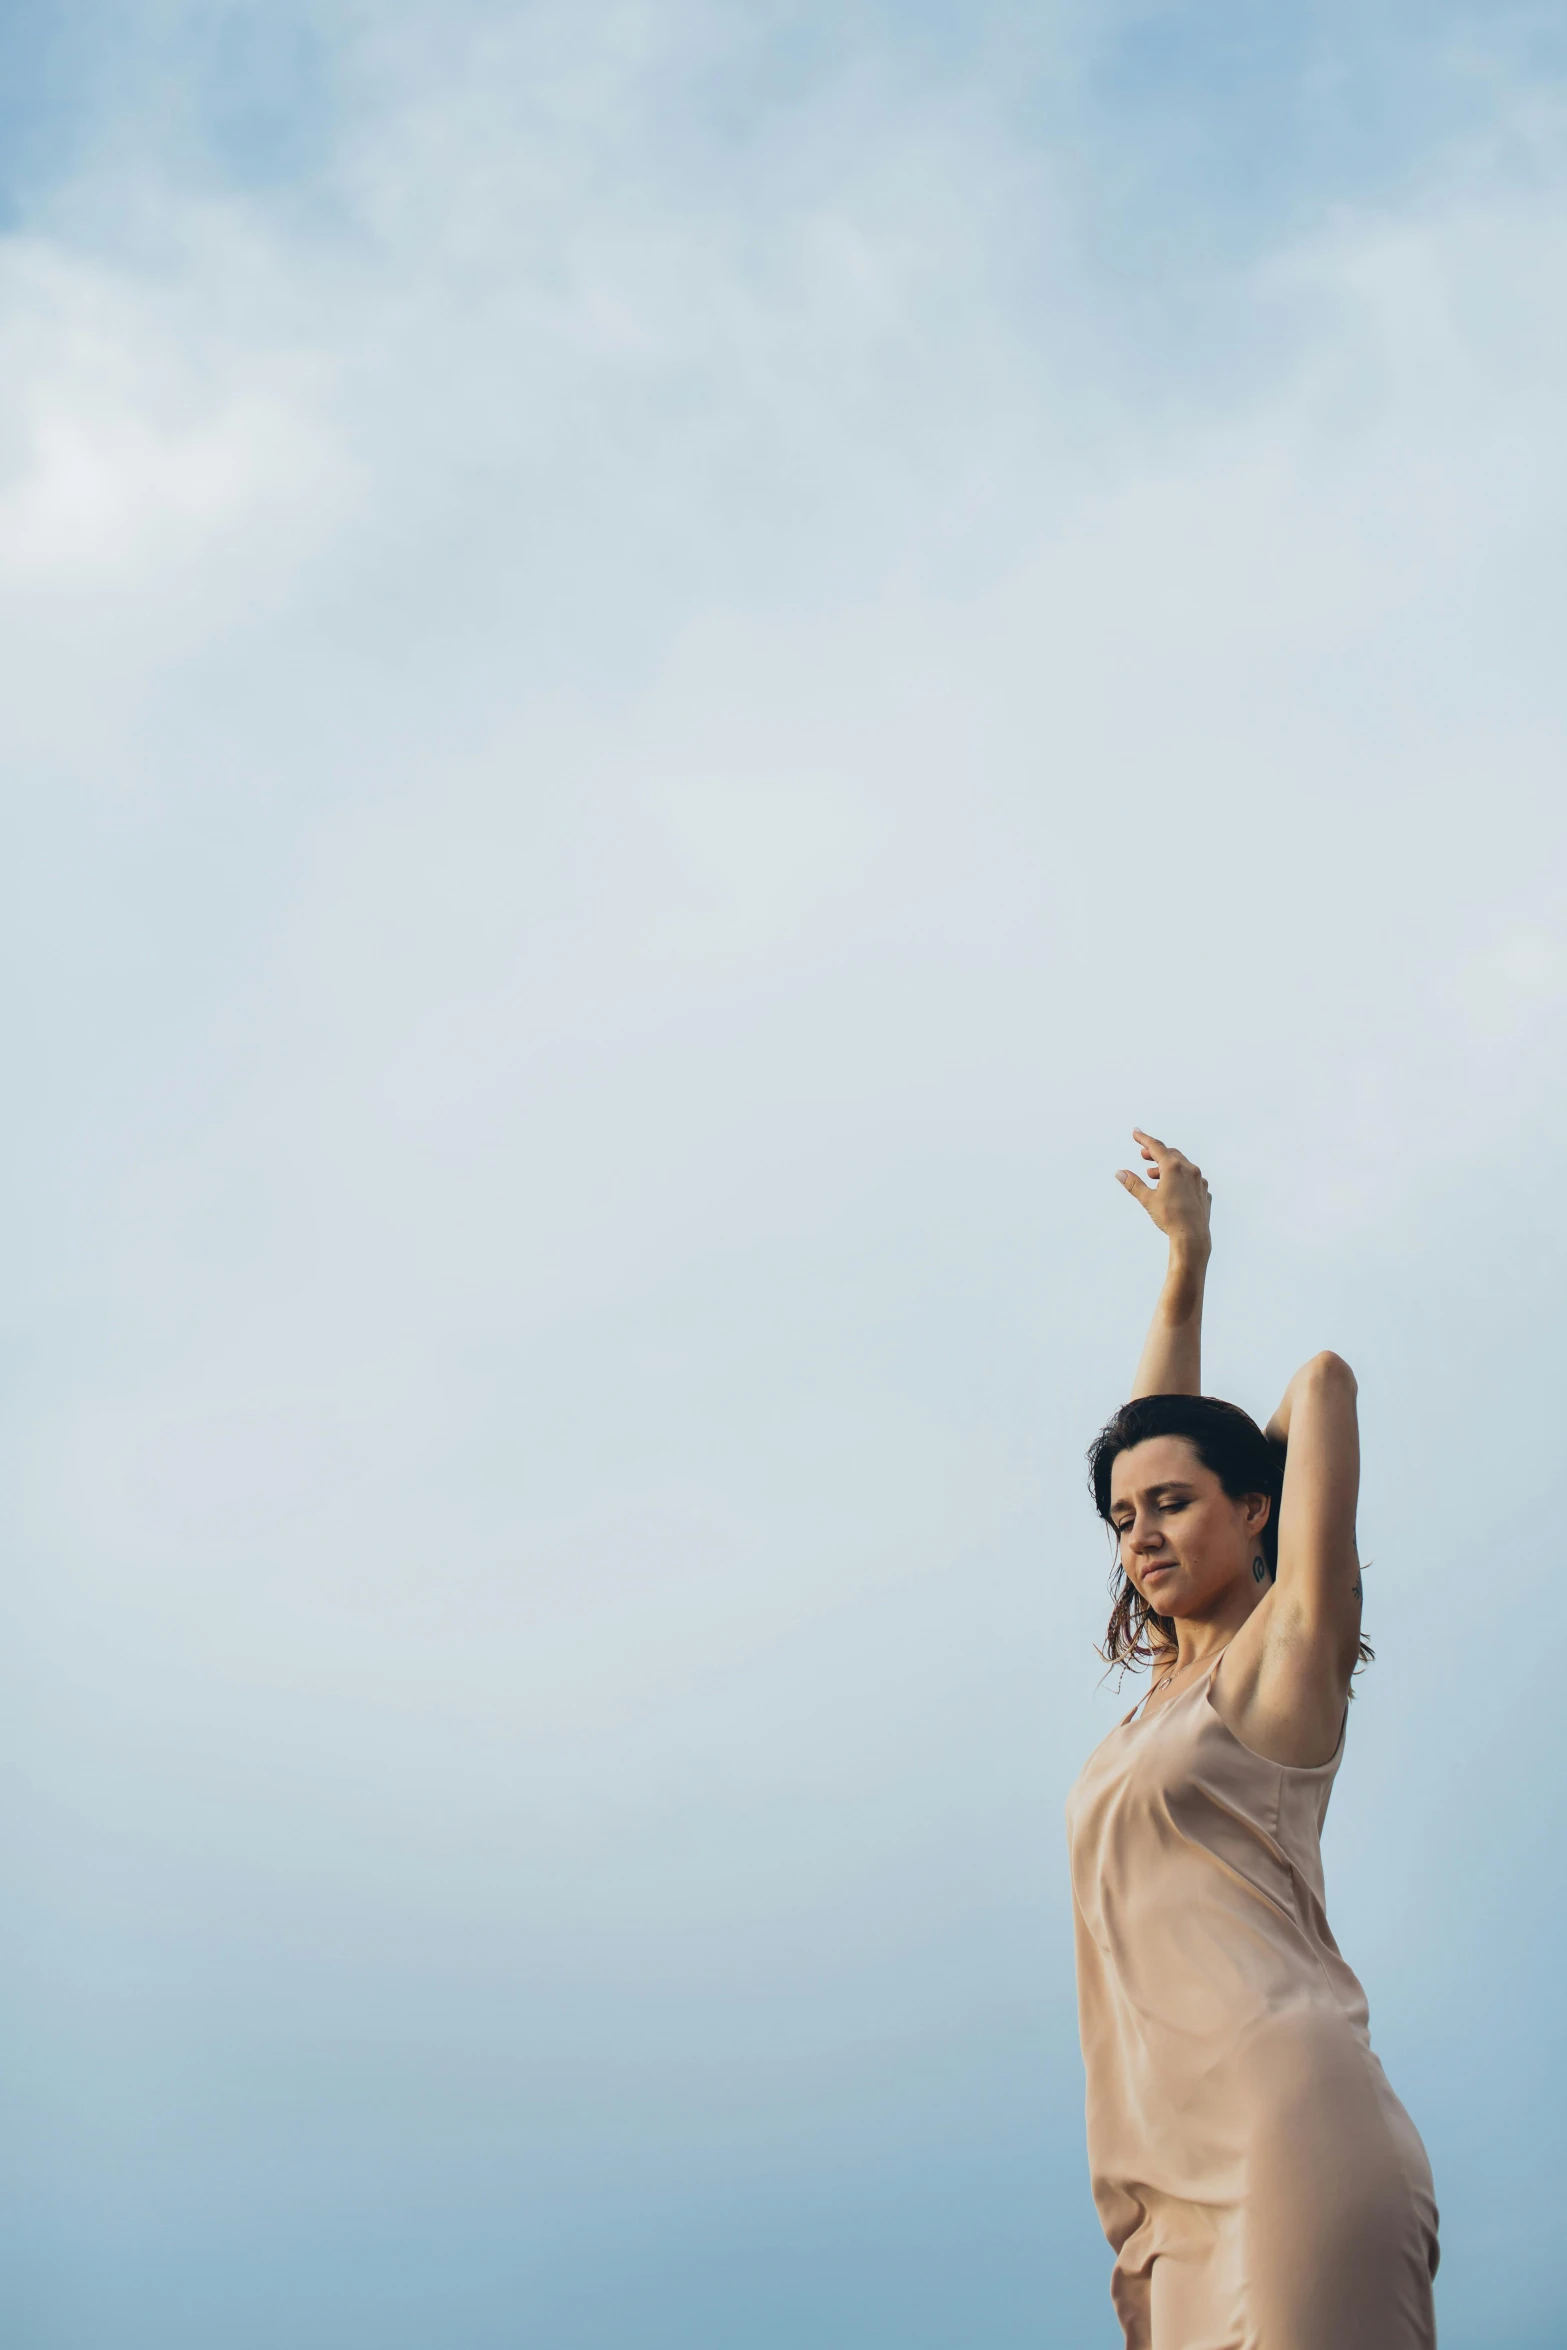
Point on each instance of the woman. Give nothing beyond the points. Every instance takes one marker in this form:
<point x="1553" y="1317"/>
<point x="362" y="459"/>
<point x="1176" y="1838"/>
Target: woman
<point x="1261" y="2185"/>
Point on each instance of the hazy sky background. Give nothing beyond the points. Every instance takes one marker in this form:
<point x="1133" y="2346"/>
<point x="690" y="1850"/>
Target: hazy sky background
<point x="661" y="664"/>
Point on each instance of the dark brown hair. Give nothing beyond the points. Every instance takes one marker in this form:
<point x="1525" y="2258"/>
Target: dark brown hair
<point x="1228" y="1442"/>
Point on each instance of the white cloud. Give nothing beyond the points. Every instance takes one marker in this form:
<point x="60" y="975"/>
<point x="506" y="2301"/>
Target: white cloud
<point x="132" y="424"/>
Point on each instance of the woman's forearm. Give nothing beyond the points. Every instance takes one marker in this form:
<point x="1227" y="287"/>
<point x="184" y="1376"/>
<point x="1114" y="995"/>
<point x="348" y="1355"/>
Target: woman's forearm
<point x="1178" y="1202"/>
<point x="1171" y="1360"/>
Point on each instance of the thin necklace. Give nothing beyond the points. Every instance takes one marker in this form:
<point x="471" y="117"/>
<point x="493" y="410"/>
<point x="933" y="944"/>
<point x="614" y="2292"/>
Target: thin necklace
<point x="1177" y="1670"/>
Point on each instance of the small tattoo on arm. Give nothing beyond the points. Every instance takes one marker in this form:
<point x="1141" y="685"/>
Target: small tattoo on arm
<point x="1357" y="1587"/>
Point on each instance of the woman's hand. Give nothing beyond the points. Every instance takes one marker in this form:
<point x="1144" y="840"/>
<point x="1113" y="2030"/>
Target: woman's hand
<point x="1177" y="1199"/>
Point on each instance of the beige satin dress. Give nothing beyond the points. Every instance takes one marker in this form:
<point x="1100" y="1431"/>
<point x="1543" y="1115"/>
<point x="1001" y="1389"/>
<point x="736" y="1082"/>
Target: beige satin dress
<point x="1261" y="2185"/>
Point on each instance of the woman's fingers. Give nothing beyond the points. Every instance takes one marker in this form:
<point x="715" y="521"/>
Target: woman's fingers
<point x="1163" y="1155"/>
<point x="1142" y="1192"/>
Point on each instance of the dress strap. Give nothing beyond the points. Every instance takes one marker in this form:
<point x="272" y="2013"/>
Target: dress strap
<point x="1152" y="1688"/>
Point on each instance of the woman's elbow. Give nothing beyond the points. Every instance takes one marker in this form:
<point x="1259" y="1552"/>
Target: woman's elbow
<point x="1330" y="1373"/>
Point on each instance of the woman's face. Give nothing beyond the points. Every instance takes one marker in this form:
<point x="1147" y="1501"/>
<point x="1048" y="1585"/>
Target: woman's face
<point x="1181" y="1538"/>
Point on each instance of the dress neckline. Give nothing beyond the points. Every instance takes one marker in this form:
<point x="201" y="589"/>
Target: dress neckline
<point x="1204" y="1684"/>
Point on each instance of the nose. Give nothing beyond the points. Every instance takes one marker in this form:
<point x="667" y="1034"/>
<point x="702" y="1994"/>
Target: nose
<point x="1144" y="1536"/>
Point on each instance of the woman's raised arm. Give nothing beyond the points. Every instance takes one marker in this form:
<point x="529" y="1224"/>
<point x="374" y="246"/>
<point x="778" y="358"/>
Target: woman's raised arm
<point x="1178" y="1201"/>
<point x="1317" y="1600"/>
<point x="1287" y="1680"/>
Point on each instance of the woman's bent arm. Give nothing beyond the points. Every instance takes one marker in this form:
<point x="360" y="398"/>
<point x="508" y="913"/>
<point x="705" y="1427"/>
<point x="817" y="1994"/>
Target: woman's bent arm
<point x="1286" y="1680"/>
<point x="1317" y="1600"/>
<point x="1178" y="1202"/>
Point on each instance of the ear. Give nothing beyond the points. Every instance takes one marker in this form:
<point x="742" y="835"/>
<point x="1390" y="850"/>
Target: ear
<point x="1259" y="1509"/>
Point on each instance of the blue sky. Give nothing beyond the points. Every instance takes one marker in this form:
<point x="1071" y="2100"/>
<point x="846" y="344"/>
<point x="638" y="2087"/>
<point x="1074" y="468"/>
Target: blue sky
<point x="661" y="664"/>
